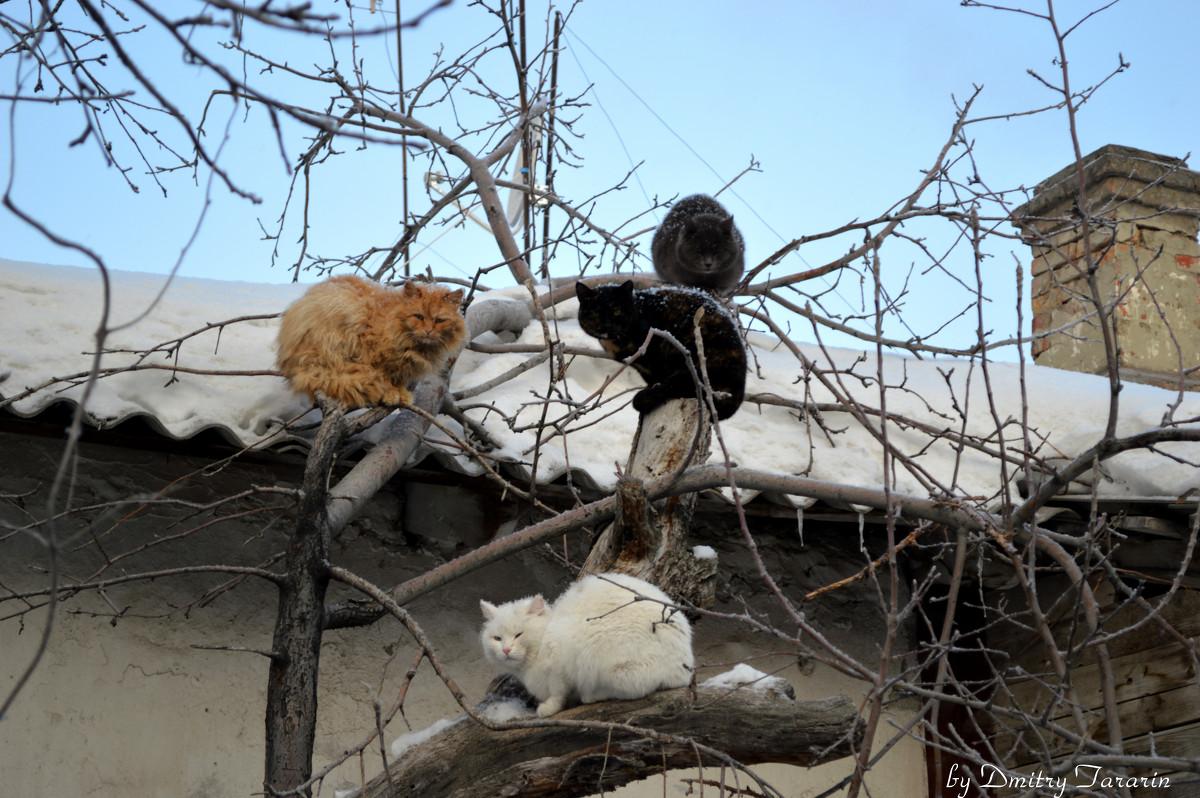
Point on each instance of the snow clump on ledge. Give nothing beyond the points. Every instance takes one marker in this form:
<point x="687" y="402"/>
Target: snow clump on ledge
<point x="744" y="677"/>
<point x="413" y="739"/>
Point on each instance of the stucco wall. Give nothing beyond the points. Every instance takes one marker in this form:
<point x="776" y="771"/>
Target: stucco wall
<point x="130" y="706"/>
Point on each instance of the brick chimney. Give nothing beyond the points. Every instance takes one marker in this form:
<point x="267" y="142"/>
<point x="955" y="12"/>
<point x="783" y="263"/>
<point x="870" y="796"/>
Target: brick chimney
<point x="1144" y="213"/>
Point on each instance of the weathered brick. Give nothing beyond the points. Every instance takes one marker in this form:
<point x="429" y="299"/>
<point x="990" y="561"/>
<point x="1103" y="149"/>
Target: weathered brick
<point x="1145" y="254"/>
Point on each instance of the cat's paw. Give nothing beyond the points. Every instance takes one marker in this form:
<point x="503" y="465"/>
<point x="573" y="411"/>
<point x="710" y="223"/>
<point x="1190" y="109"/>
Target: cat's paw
<point x="551" y="706"/>
<point x="655" y="396"/>
<point x="396" y="397"/>
<point x="648" y="399"/>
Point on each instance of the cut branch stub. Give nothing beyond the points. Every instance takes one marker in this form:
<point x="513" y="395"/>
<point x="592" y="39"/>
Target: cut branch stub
<point x="633" y="536"/>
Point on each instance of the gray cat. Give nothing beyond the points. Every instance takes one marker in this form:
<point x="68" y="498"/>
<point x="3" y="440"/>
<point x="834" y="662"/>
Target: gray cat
<point x="698" y="245"/>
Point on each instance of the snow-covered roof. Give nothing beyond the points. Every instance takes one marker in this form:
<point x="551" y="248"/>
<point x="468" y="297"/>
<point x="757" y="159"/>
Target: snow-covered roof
<point x="49" y="314"/>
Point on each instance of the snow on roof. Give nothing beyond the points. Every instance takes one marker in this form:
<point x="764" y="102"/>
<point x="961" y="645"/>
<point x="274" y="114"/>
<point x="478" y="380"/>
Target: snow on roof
<point x="49" y="315"/>
<point x="48" y="321"/>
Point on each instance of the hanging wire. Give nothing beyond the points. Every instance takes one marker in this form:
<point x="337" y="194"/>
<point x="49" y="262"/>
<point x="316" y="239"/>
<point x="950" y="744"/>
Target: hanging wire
<point x="603" y="110"/>
<point x="672" y="131"/>
<point x="595" y="94"/>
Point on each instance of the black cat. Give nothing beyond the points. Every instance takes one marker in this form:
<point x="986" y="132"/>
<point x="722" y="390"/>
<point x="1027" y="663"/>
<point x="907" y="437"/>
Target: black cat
<point x="697" y="244"/>
<point x="621" y="318"/>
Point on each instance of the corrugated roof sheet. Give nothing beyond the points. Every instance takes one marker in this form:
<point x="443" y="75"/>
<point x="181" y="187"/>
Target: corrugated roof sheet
<point x="49" y="315"/>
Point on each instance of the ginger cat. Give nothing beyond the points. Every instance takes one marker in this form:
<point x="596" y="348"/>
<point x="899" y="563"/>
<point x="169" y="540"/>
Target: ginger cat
<point x="362" y="343"/>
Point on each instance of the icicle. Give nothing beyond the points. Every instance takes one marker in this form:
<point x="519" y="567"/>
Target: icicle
<point x="862" y="510"/>
<point x="801" y="503"/>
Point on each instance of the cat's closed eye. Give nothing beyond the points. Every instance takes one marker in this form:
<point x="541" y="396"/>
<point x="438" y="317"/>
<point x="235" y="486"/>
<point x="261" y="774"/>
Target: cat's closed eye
<point x="419" y="316"/>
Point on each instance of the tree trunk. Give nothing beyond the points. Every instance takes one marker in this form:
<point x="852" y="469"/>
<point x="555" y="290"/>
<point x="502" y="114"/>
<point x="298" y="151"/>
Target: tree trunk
<point x="749" y="727"/>
<point x="651" y="542"/>
<point x="292" y="683"/>
<point x="295" y="653"/>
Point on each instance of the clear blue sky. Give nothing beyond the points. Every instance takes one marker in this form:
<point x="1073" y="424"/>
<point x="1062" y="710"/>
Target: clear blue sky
<point x="842" y="105"/>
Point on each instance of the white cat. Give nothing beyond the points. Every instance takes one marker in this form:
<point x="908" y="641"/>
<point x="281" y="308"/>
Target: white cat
<point x="597" y="642"/>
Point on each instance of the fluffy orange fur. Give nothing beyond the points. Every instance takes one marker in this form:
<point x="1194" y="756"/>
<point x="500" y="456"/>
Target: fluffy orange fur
<point x="362" y="343"/>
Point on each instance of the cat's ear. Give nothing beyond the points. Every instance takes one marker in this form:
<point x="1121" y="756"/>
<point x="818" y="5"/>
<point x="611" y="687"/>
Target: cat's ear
<point x="689" y="224"/>
<point x="727" y="225"/>
<point x="411" y="289"/>
<point x="537" y="606"/>
<point x="454" y="298"/>
<point x="627" y="290"/>
<point x="489" y="610"/>
<point x="583" y="290"/>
